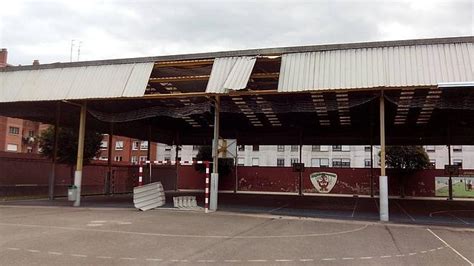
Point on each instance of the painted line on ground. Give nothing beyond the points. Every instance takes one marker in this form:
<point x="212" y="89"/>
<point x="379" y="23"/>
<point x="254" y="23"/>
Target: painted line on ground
<point x="405" y="212"/>
<point x="279" y="208"/>
<point x="187" y="236"/>
<point x="449" y="246"/>
<point x="355" y="207"/>
<point x="462" y="220"/>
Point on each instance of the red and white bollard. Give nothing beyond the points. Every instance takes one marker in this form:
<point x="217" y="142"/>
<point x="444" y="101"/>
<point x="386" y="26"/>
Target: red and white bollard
<point x="140" y="175"/>
<point x="206" y="200"/>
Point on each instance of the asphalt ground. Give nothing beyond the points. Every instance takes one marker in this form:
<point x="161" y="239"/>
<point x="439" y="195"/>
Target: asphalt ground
<point x="55" y="235"/>
<point x="406" y="211"/>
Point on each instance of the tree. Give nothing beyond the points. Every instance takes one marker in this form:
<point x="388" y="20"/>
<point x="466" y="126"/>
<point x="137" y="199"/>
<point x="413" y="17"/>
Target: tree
<point x="205" y="154"/>
<point x="407" y="158"/>
<point x="67" y="145"/>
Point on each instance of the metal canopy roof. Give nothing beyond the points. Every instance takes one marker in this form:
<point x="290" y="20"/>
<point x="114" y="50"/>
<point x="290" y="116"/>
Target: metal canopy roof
<point x="177" y="107"/>
<point x="397" y="66"/>
<point x="73" y="83"/>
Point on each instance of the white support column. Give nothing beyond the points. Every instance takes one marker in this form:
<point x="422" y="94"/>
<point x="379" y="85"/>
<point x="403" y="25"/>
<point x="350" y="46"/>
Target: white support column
<point x="215" y="158"/>
<point x="80" y="154"/>
<point x="383" y="183"/>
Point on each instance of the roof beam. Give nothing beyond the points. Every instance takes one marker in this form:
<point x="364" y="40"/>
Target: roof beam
<point x="184" y="63"/>
<point x="206" y="77"/>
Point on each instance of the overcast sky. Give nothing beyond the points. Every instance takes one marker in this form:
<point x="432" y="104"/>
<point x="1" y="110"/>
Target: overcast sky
<point x="116" y="29"/>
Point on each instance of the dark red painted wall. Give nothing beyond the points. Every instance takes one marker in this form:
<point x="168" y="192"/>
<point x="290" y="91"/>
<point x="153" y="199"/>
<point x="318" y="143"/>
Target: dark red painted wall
<point x="29" y="176"/>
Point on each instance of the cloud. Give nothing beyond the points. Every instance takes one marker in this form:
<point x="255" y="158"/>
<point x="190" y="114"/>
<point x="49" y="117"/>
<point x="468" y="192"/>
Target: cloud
<point x="115" y="29"/>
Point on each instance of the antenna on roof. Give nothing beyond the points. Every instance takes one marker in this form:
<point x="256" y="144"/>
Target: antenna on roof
<point x="70" y="55"/>
<point x="79" y="50"/>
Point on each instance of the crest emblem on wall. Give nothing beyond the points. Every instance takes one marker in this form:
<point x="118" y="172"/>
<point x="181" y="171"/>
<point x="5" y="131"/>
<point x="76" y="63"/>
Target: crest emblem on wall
<point x="323" y="181"/>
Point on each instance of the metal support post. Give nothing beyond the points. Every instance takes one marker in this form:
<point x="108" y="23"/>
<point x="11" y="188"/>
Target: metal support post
<point x="52" y="177"/>
<point x="206" y="198"/>
<point x="383" y="182"/>
<point x="215" y="158"/>
<point x="80" y="154"/>
<point x="109" y="159"/>
<point x="450" y="180"/>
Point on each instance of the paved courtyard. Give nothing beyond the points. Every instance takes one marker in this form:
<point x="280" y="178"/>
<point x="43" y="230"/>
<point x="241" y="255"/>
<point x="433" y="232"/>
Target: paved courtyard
<point x="57" y="235"/>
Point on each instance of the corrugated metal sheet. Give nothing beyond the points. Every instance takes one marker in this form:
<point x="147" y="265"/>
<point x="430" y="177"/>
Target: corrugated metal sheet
<point x="105" y="81"/>
<point x="400" y="66"/>
<point x="230" y="73"/>
<point x="149" y="196"/>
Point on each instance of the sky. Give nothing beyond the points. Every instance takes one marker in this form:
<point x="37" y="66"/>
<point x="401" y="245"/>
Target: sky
<point x="44" y="30"/>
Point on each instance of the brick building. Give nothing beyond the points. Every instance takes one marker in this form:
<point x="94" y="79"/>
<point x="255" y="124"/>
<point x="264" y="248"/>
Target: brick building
<point x="127" y="150"/>
<point x="17" y="135"/>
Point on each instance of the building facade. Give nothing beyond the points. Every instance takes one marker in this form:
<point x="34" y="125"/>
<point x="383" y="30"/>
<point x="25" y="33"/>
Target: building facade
<point x="126" y="150"/>
<point x="320" y="155"/>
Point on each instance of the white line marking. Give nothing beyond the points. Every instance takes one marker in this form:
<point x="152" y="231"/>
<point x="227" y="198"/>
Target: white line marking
<point x="400" y="255"/>
<point x="187" y="236"/>
<point x="54" y="253"/>
<point x="100" y="222"/>
<point x="423" y="251"/>
<point x="347" y="258"/>
<point x="128" y="258"/>
<point x="13" y="248"/>
<point x="94" y="224"/>
<point x="355" y="207"/>
<point x="232" y="260"/>
<point x="463" y="221"/>
<point x="440" y="248"/>
<point x="365" y="258"/>
<point x="412" y="253"/>
<point x="279" y="208"/>
<point x="386" y="256"/>
<point x="329" y="259"/>
<point x="433" y="249"/>
<point x="283" y="260"/>
<point x="304" y="260"/>
<point x="206" y="261"/>
<point x="405" y="212"/>
<point x="103" y="257"/>
<point x="79" y="255"/>
<point x="449" y="246"/>
<point x="33" y="250"/>
<point x="257" y="260"/>
<point x="152" y="259"/>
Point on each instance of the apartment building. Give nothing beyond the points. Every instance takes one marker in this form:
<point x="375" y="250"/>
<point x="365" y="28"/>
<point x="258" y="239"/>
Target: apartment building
<point x="126" y="150"/>
<point x="320" y="155"/>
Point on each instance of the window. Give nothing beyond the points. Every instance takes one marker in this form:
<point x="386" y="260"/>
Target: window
<point x="118" y="158"/>
<point x="255" y="147"/>
<point x="432" y="163"/>
<point x="281" y="148"/>
<point x="457" y="148"/>
<point x="167" y="158"/>
<point x="14" y="130"/>
<point x="12" y="147"/>
<point x="281" y="162"/>
<point x="144" y="145"/>
<point x="240" y="161"/>
<point x="241" y="147"/>
<point x="31" y="133"/>
<point x="457" y="162"/>
<point x="337" y="148"/>
<point x="319" y="162"/>
<point x="341" y="163"/>
<point x="315" y="148"/>
<point x="346" y="148"/>
<point x="119" y="145"/>
<point x="103" y="145"/>
<point x="29" y="149"/>
<point x="103" y="158"/>
<point x="195" y="147"/>
<point x="324" y="162"/>
<point x="255" y="161"/>
<point x="134" y="159"/>
<point x="367" y="163"/>
<point x="367" y="148"/>
<point x="294" y="148"/>
<point x="294" y="160"/>
<point x="323" y="148"/>
<point x="135" y="145"/>
<point x="430" y="148"/>
<point x="142" y="158"/>
<point x="168" y="148"/>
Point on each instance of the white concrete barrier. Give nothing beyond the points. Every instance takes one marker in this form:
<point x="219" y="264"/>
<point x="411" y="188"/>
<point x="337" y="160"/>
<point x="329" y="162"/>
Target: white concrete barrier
<point x="149" y="196"/>
<point x="185" y="202"/>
